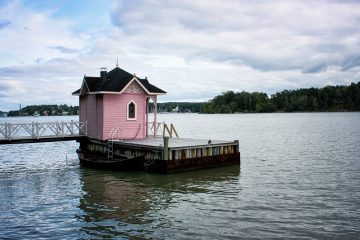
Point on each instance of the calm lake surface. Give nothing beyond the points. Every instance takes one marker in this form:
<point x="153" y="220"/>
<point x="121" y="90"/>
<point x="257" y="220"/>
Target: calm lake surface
<point x="299" y="178"/>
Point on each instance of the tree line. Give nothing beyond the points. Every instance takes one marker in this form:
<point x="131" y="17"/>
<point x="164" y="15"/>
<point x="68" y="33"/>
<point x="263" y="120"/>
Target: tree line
<point x="329" y="98"/>
<point x="181" y="107"/>
<point x="45" y="110"/>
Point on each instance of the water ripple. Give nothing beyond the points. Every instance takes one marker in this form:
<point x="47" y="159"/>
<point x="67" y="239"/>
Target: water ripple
<point x="299" y="179"/>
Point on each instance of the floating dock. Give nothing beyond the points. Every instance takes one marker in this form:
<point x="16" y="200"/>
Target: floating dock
<point x="168" y="155"/>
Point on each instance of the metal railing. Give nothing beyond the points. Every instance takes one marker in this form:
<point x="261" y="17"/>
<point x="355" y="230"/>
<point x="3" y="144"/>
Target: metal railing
<point x="115" y="134"/>
<point x="162" y="130"/>
<point x="38" y="130"/>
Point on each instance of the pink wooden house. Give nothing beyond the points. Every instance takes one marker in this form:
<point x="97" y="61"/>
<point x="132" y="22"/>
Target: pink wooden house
<point x="116" y="100"/>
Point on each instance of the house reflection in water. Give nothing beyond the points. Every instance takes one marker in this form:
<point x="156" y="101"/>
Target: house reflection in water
<point x="142" y="205"/>
<point x="109" y="202"/>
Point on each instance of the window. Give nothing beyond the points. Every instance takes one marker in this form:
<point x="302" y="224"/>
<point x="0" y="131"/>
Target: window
<point x="131" y="111"/>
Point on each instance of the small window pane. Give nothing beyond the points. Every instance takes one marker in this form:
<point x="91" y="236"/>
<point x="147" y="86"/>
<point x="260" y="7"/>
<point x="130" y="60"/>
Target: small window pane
<point x="132" y="110"/>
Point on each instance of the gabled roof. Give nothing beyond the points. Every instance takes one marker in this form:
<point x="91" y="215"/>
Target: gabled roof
<point x="115" y="81"/>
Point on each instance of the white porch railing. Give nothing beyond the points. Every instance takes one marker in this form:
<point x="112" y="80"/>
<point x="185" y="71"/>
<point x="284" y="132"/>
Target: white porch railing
<point x="38" y="130"/>
<point x="162" y="130"/>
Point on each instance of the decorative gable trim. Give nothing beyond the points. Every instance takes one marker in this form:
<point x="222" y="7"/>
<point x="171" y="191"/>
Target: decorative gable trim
<point x="130" y="82"/>
<point x="134" y="87"/>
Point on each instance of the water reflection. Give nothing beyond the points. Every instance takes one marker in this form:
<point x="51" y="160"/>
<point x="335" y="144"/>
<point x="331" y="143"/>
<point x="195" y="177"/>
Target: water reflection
<point x="137" y="204"/>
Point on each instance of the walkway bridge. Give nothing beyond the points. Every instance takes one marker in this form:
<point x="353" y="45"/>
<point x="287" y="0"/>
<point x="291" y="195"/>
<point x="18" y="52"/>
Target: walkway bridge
<point x="13" y="133"/>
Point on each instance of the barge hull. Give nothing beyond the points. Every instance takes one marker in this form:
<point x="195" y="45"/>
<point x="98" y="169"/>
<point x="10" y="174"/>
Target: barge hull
<point x="175" y="155"/>
<point x="191" y="164"/>
<point x="133" y="164"/>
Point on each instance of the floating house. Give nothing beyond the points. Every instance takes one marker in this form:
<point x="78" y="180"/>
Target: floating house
<point x="115" y="107"/>
<point x="116" y="100"/>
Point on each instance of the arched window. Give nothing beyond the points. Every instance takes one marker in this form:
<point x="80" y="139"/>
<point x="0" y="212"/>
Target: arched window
<point x="131" y="111"/>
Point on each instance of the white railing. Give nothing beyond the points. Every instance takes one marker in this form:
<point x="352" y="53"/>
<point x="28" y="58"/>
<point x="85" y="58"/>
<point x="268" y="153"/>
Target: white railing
<point x="38" y="130"/>
<point x="115" y="134"/>
<point x="162" y="130"/>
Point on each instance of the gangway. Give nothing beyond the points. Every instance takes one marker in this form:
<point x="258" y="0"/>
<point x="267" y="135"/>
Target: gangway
<point x="14" y="133"/>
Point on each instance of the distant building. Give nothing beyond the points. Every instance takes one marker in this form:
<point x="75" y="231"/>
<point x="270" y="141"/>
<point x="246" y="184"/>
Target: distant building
<point x="116" y="99"/>
<point x="176" y="110"/>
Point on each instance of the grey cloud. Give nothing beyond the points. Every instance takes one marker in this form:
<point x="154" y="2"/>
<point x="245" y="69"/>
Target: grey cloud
<point x="329" y="47"/>
<point x="4" y="87"/>
<point x="4" y="24"/>
<point x="10" y="72"/>
<point x="316" y="68"/>
<point x="350" y="62"/>
<point x="64" y="49"/>
<point x="240" y="59"/>
<point x="120" y="12"/>
<point x="347" y="62"/>
<point x="3" y="94"/>
<point x="60" y="61"/>
<point x="42" y="69"/>
<point x="39" y="60"/>
<point x="207" y="30"/>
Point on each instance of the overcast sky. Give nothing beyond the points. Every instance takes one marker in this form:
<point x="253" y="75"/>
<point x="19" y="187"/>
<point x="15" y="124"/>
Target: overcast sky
<point x="194" y="50"/>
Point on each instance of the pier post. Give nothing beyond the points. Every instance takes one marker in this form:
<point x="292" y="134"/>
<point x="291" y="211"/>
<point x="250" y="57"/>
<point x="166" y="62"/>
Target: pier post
<point x="6" y="131"/>
<point x="62" y="128"/>
<point x="33" y="130"/>
<point x="166" y="148"/>
<point x="155" y="113"/>
<point x="72" y="127"/>
<point x="237" y="145"/>
<point x="57" y="129"/>
<point x="147" y="117"/>
<point x="37" y="130"/>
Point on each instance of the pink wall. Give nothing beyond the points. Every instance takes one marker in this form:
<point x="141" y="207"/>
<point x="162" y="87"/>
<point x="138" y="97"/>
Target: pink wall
<point x="91" y="115"/>
<point x="99" y="116"/>
<point x="115" y="115"/>
<point x="82" y="104"/>
<point x="91" y="110"/>
<point x="108" y="111"/>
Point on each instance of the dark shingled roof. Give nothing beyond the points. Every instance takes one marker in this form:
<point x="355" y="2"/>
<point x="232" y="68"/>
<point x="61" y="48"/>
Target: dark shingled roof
<point x="77" y="92"/>
<point x="116" y="80"/>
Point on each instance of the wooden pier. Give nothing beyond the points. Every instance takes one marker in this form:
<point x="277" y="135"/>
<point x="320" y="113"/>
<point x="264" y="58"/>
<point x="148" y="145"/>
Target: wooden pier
<point x="16" y="133"/>
<point x="164" y="153"/>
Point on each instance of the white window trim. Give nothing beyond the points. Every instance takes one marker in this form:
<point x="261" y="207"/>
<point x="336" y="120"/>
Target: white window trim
<point x="127" y="111"/>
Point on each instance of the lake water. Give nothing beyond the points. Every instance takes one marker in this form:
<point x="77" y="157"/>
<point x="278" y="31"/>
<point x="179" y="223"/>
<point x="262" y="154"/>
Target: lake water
<point x="299" y="178"/>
